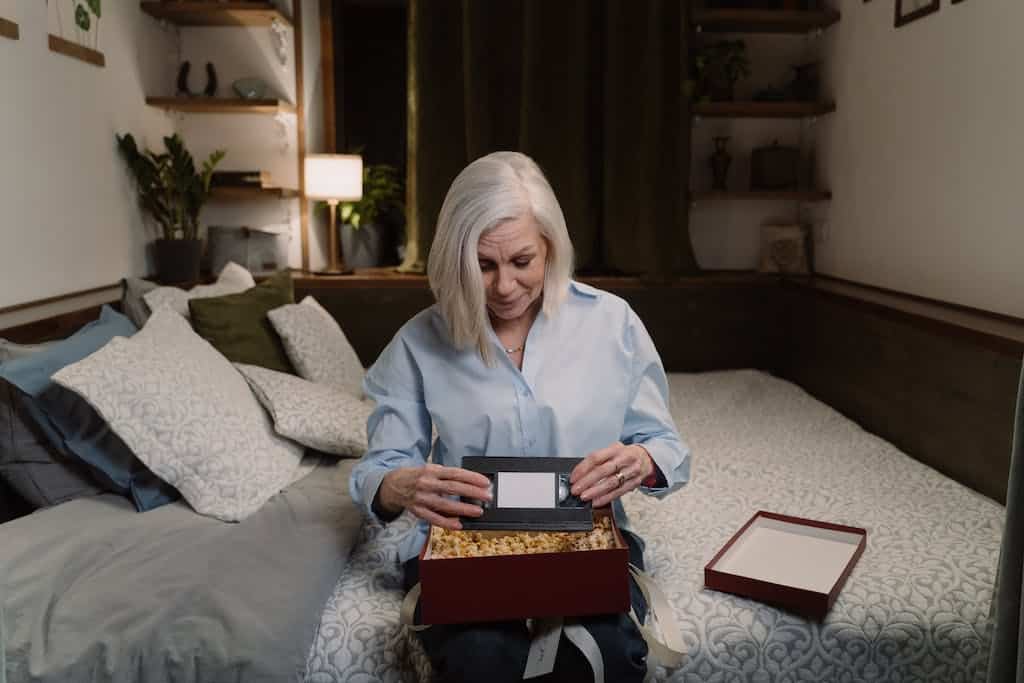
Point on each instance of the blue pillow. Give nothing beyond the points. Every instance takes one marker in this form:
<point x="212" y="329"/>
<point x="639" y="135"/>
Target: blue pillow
<point x="75" y="427"/>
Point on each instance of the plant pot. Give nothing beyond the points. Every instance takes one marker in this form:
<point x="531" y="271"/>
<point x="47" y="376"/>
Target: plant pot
<point x="177" y="260"/>
<point x="361" y="248"/>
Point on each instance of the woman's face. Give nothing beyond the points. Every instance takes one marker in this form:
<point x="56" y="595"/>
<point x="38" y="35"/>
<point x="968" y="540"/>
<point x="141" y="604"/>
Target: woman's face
<point x="512" y="260"/>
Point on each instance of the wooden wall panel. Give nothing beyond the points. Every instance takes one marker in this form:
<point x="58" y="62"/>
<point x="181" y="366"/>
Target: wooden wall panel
<point x="945" y="399"/>
<point x="695" y="328"/>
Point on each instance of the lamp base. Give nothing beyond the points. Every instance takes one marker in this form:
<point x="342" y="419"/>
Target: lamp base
<point x="344" y="270"/>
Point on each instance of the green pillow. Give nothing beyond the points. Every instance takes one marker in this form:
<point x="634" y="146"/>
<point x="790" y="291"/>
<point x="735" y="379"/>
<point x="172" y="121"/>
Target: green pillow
<point x="237" y="324"/>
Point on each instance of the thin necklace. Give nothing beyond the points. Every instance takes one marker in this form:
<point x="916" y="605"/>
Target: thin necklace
<point x="518" y="348"/>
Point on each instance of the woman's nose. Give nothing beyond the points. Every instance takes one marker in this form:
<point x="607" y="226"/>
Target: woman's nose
<point x="506" y="281"/>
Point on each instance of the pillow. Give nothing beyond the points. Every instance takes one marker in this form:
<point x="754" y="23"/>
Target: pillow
<point x="133" y="289"/>
<point x="320" y="416"/>
<point x="188" y="415"/>
<point x="10" y="350"/>
<point x="233" y="279"/>
<point x="237" y="325"/>
<point x="317" y="347"/>
<point x="71" y="426"/>
<point x="40" y="473"/>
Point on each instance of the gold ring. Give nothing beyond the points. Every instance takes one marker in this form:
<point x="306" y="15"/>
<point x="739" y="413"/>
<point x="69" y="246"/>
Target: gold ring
<point x="622" y="479"/>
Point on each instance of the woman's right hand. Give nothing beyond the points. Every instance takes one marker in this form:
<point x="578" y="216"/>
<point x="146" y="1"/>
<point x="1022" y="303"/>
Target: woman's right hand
<point x="425" y="491"/>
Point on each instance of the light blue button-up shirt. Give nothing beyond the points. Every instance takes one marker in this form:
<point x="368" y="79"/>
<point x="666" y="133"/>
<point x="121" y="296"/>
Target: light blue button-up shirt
<point x="590" y="377"/>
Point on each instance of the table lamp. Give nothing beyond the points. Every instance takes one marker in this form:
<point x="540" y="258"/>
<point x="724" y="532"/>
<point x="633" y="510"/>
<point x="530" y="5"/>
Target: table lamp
<point x="334" y="178"/>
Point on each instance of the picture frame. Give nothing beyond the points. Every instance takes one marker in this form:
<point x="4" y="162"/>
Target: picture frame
<point x="911" y="10"/>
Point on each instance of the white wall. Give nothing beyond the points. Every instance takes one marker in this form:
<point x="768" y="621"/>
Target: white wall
<point x="923" y="155"/>
<point x="926" y="154"/>
<point x="69" y="218"/>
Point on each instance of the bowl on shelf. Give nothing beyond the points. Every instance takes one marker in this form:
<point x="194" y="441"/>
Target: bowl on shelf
<point x="250" y="88"/>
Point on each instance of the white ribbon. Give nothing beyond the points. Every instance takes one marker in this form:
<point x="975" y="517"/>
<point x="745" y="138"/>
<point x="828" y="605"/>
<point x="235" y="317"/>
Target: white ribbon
<point x="668" y="648"/>
<point x="543" y="647"/>
<point x="669" y="651"/>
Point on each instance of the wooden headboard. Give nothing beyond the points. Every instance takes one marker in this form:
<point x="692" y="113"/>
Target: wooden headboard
<point x="937" y="381"/>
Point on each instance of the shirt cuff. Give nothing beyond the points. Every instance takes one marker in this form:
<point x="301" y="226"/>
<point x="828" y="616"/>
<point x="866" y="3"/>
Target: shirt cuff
<point x="655" y="479"/>
<point x="656" y="482"/>
<point x="372" y="486"/>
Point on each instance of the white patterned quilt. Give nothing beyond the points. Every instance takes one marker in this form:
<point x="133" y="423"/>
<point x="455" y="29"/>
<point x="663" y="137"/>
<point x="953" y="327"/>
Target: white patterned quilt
<point x="915" y="607"/>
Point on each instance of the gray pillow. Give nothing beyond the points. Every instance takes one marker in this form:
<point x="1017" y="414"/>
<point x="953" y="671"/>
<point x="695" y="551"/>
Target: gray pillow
<point x="133" y="305"/>
<point x="188" y="415"/>
<point x="30" y="465"/>
<point x="319" y="416"/>
<point x="317" y="347"/>
<point x="10" y="350"/>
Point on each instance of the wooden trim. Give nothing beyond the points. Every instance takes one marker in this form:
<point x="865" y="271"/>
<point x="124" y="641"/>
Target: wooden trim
<point x="76" y="51"/>
<point x="389" y="278"/>
<point x="226" y="193"/>
<point x="763" y="110"/>
<point x="981" y="312"/>
<point x="327" y="69"/>
<point x="56" y="299"/>
<point x="58" y="326"/>
<point x="763" y="20"/>
<point x="989" y="330"/>
<point x="222" y="105"/>
<point x="300" y="128"/>
<point x="184" y="13"/>
<point x="762" y="195"/>
<point x="8" y="29"/>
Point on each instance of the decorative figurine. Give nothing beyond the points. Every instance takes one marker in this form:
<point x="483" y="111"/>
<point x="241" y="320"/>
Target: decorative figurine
<point x="211" y="81"/>
<point x="720" y="161"/>
<point x="183" y="79"/>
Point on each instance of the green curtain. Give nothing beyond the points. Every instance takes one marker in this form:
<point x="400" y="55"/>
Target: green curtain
<point x="591" y="89"/>
<point x="1006" y="660"/>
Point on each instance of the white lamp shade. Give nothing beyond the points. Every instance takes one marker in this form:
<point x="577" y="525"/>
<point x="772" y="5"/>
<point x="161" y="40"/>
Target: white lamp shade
<point x="334" y="176"/>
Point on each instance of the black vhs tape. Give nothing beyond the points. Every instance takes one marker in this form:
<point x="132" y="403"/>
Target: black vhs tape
<point x="528" y="494"/>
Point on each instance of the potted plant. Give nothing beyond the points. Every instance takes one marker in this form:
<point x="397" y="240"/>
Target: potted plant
<point x="718" y="66"/>
<point x="173" y="191"/>
<point x="360" y="221"/>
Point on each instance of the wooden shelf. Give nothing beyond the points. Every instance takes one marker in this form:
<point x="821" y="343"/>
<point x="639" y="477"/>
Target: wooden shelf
<point x="241" y="194"/>
<point x="763" y="21"/>
<point x="221" y="105"/>
<point x="762" y="195"/>
<point x="8" y="29"/>
<point x="763" y="110"/>
<point x="76" y="51"/>
<point x="216" y="14"/>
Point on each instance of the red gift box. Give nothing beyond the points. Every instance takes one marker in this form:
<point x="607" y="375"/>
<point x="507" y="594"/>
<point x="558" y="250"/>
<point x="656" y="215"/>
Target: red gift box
<point x="500" y="587"/>
<point x="795" y="563"/>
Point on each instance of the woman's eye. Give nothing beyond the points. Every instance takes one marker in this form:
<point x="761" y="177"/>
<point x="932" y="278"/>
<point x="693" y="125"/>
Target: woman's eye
<point x="523" y="263"/>
<point x="486" y="265"/>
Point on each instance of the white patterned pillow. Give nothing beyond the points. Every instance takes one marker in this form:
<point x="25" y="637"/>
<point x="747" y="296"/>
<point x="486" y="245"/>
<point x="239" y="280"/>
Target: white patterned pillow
<point x="320" y="416"/>
<point x="317" y="347"/>
<point x="234" y="279"/>
<point x="188" y="415"/>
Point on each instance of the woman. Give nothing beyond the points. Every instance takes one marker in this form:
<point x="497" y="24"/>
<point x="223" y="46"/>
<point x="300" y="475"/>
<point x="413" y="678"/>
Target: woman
<point x="515" y="359"/>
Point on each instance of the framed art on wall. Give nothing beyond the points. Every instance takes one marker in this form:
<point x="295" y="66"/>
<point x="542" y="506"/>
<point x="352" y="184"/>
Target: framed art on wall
<point x="909" y="10"/>
<point x="75" y="29"/>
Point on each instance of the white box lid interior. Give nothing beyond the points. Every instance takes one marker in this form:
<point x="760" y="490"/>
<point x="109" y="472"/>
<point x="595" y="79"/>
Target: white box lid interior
<point x="790" y="554"/>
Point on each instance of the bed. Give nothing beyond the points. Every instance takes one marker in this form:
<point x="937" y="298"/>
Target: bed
<point x="916" y="607"/>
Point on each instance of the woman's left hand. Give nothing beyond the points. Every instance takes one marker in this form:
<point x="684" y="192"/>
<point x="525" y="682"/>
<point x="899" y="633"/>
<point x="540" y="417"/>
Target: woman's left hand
<point x="610" y="473"/>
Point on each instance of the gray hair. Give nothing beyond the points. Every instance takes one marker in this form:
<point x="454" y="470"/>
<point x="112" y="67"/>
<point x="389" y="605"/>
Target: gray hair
<point x="492" y="190"/>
